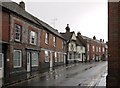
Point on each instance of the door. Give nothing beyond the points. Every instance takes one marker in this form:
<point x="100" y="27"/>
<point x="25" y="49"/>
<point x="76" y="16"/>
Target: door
<point x="1" y="65"/>
<point x="51" y="61"/>
<point x="28" y="61"/>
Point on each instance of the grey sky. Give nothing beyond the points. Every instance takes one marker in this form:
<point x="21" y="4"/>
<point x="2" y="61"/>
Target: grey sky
<point x="87" y="16"/>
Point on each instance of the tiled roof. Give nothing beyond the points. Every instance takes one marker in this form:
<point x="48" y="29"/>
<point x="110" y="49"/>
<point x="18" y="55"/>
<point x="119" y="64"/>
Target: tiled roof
<point x="80" y="41"/>
<point x="14" y="7"/>
<point x="84" y="37"/>
<point x="67" y="35"/>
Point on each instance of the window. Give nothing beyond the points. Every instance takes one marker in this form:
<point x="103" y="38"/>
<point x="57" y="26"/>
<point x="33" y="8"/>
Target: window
<point x="93" y="57"/>
<point x="99" y="49"/>
<point x="17" y="59"/>
<point x="55" y="57"/>
<point x="103" y="49"/>
<point x="78" y="55"/>
<point x="34" y="59"/>
<point x="93" y="48"/>
<point x="96" y="49"/>
<point x="88" y="47"/>
<point x="46" y="56"/>
<point x="17" y="32"/>
<point x="81" y="47"/>
<point x="62" y="55"/>
<point x="70" y="56"/>
<point x="59" y="57"/>
<point x="33" y="37"/>
<point x="54" y="40"/>
<point x="47" y="38"/>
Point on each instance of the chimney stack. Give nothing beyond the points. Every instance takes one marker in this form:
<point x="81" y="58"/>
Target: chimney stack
<point x="94" y="37"/>
<point x="78" y="33"/>
<point x="22" y="5"/>
<point x="100" y="40"/>
<point x="67" y="28"/>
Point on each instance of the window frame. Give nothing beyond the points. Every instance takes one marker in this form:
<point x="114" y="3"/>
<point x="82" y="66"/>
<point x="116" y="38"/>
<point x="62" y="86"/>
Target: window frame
<point x="35" y="37"/>
<point x="47" y="59"/>
<point x="20" y="59"/>
<point x="88" y="47"/>
<point x="55" y="56"/>
<point x="34" y="65"/>
<point x="54" y="41"/>
<point x="93" y="47"/>
<point x="47" y="38"/>
<point x="70" y="56"/>
<point x="20" y="30"/>
<point x="79" y="55"/>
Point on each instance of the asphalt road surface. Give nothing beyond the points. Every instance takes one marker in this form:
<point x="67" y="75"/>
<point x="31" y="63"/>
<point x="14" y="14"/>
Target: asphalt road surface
<point x="77" y="75"/>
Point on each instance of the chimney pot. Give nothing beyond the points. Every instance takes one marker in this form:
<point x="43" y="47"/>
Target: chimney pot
<point x="22" y="5"/>
<point x="67" y="28"/>
<point x="78" y="33"/>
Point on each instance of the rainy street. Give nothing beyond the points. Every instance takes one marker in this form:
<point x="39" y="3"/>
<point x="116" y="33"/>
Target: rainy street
<point x="80" y="74"/>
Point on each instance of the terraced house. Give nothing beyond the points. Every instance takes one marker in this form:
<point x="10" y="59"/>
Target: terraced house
<point x="96" y="50"/>
<point x="28" y="44"/>
<point x="75" y="48"/>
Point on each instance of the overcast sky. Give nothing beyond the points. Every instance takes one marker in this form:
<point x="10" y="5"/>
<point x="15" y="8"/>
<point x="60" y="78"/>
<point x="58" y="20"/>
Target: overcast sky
<point x="87" y="16"/>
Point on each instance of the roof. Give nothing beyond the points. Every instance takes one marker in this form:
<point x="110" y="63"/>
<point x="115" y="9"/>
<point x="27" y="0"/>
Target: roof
<point x="80" y="40"/>
<point x="84" y="37"/>
<point x="67" y="35"/>
<point x="14" y="7"/>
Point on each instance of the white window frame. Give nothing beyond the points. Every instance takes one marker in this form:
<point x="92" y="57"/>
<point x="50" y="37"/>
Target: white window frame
<point x="99" y="49"/>
<point x="88" y="47"/>
<point x="20" y="58"/>
<point x="46" y="56"/>
<point x="93" y="47"/>
<point x="54" y="41"/>
<point x="103" y="49"/>
<point x="47" y="38"/>
<point x="33" y="35"/>
<point x="20" y="29"/>
<point x="96" y="49"/>
<point x="34" y="65"/>
<point x="55" y="56"/>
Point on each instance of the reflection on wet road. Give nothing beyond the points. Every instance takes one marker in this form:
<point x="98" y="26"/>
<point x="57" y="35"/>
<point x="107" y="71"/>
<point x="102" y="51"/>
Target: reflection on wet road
<point x="78" y="75"/>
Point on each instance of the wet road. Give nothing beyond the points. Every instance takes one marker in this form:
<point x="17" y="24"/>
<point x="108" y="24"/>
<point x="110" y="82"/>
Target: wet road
<point x="77" y="75"/>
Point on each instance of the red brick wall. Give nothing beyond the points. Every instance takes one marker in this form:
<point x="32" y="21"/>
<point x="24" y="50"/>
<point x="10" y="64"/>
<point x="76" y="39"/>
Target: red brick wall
<point x="95" y="44"/>
<point x="5" y="26"/>
<point x="50" y="45"/>
<point x="113" y="78"/>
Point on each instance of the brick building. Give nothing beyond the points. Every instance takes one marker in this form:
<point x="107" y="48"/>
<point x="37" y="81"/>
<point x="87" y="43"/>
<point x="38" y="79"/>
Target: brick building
<point x="28" y="44"/>
<point x="113" y="78"/>
<point x="95" y="49"/>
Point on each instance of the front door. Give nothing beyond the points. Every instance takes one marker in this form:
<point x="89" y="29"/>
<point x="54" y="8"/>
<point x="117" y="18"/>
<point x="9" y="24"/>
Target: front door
<point x="1" y="65"/>
<point x="28" y="61"/>
<point x="51" y="61"/>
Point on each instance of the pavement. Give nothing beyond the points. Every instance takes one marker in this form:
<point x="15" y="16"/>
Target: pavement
<point x="102" y="81"/>
<point x="31" y="75"/>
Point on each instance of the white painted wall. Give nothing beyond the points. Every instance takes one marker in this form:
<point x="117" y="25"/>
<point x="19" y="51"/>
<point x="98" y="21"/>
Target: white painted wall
<point x="74" y="46"/>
